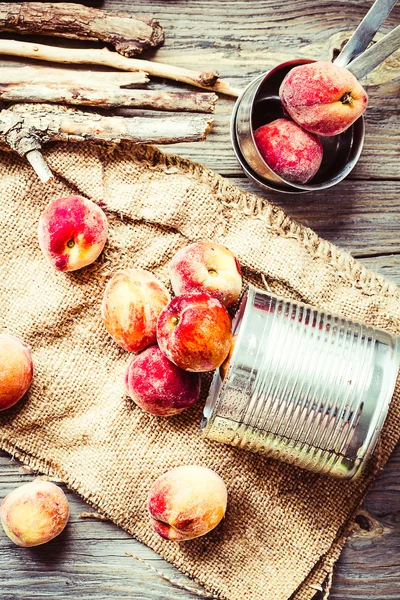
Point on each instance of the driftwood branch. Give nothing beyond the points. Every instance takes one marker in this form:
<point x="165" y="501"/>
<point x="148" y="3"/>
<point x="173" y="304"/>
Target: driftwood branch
<point x="25" y="128"/>
<point x="104" y="57"/>
<point x="127" y="33"/>
<point x="30" y="84"/>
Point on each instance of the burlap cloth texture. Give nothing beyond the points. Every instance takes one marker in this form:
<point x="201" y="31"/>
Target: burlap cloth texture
<point x="284" y="527"/>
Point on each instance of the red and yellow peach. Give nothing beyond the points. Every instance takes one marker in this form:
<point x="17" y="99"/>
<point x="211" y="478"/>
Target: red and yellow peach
<point x="34" y="513"/>
<point x="207" y="267"/>
<point x="194" y="332"/>
<point x="158" y="386"/>
<point x="72" y="232"/>
<point x="187" y="502"/>
<point x="323" y="98"/>
<point x="16" y="370"/>
<point x="132" y="302"/>
<point x="292" y="153"/>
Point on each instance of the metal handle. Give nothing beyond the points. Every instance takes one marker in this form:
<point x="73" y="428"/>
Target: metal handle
<point x="374" y="56"/>
<point x="365" y="32"/>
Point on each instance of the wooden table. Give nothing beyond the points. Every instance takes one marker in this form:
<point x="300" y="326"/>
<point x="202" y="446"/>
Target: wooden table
<point x="241" y="39"/>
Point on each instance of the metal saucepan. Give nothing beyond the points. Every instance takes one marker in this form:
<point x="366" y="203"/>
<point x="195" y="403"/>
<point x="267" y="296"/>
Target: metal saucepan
<point x="259" y="104"/>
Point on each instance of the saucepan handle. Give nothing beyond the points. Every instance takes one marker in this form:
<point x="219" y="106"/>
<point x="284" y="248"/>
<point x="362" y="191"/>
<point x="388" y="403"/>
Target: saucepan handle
<point x="376" y="54"/>
<point x="365" y="32"/>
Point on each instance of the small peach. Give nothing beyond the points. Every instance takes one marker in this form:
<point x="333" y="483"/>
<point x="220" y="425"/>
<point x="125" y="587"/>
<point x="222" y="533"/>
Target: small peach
<point x="294" y="154"/>
<point x="34" y="513"/>
<point x="187" y="502"/>
<point x="323" y="98"/>
<point x="207" y="267"/>
<point x="132" y="301"/>
<point x="16" y="370"/>
<point x="72" y="232"/>
<point x="158" y="386"/>
<point x="195" y="331"/>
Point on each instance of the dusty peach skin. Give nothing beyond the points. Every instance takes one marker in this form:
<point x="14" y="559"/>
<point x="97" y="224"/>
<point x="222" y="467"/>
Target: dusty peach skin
<point x="158" y="386"/>
<point x="34" y="513"/>
<point x="187" y="502"/>
<point x="72" y="232"/>
<point x="207" y="267"/>
<point x="291" y="152"/>
<point x="323" y="98"/>
<point x="16" y="370"/>
<point x="195" y="331"/>
<point x="132" y="301"/>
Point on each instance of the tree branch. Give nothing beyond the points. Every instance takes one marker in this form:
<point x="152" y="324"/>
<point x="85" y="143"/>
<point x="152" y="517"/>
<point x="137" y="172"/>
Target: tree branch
<point x="104" y="57"/>
<point x="127" y="33"/>
<point x="26" y="127"/>
<point x="41" y="84"/>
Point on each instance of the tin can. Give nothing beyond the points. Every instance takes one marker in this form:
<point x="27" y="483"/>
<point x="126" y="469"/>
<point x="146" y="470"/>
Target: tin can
<point x="303" y="386"/>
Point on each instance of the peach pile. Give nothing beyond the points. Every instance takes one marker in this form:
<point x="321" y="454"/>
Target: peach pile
<point x="291" y="152"/>
<point x="72" y="232"/>
<point x="195" y="332"/>
<point x="132" y="301"/>
<point x="320" y="98"/>
<point x="187" y="502"/>
<point x="34" y="513"/>
<point x="207" y="267"/>
<point x="158" y="386"/>
<point x="16" y="370"/>
<point x="323" y="98"/>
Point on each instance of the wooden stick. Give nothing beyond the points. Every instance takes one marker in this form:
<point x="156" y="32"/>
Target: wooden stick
<point x="26" y="127"/>
<point x="207" y="81"/>
<point x="30" y="84"/>
<point x="127" y="33"/>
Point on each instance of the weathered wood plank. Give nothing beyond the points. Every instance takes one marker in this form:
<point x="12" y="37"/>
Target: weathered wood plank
<point x="359" y="216"/>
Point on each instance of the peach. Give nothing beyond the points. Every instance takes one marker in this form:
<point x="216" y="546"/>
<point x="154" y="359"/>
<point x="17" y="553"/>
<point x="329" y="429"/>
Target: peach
<point x="34" y="513"/>
<point x="294" y="154"/>
<point x="16" y="370"/>
<point x="158" y="386"/>
<point x="207" y="267"/>
<point x="225" y="365"/>
<point x="195" y="331"/>
<point x="323" y="98"/>
<point x="132" y="301"/>
<point x="72" y="232"/>
<point x="187" y="502"/>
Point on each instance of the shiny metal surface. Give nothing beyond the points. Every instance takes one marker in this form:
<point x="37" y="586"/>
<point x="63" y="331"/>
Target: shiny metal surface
<point x="303" y="386"/>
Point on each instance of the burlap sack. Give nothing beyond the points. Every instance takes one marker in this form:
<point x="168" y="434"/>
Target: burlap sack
<point x="284" y="526"/>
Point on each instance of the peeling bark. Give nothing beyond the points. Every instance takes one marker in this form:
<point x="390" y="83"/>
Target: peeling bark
<point x="25" y="128"/>
<point x="129" y="35"/>
<point x="87" y="88"/>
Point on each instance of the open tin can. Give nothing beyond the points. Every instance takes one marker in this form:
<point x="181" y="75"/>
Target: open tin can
<point x="303" y="386"/>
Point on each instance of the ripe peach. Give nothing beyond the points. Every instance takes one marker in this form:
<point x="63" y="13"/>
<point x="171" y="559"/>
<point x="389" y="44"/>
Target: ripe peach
<point x="186" y="502"/>
<point x="132" y="301"/>
<point x="34" y="513"/>
<point x="207" y="267"/>
<point x="225" y="365"/>
<point x="195" y="331"/>
<point x="158" y="386"/>
<point x="294" y="154"/>
<point x="16" y="370"/>
<point x="323" y="98"/>
<point x="72" y="232"/>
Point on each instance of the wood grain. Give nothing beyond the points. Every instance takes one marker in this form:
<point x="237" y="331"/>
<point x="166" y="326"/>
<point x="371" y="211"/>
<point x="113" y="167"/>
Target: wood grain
<point x="241" y="39"/>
